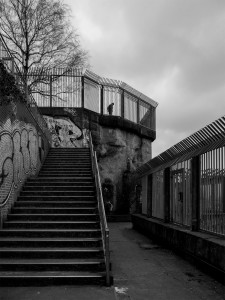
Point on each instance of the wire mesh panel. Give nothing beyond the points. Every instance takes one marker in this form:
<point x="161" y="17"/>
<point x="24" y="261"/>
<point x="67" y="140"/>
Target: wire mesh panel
<point x="112" y="95"/>
<point x="158" y="194"/>
<point x="130" y="108"/>
<point x="212" y="191"/>
<point x="91" y="95"/>
<point x="180" y="200"/>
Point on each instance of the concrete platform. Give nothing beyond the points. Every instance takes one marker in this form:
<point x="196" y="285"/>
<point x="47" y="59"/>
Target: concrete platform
<point x="142" y="270"/>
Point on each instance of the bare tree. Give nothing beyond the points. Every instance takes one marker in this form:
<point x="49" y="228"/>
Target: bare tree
<point x="40" y="36"/>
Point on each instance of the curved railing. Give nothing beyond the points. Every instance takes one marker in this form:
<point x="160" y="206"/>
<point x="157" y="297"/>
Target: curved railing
<point x="83" y="88"/>
<point x="101" y="208"/>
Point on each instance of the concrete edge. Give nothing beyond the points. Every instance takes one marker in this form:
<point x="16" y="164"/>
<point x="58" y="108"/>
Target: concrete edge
<point x="204" y="250"/>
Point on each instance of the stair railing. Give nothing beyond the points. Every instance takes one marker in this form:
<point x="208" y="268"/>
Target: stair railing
<point x="101" y="207"/>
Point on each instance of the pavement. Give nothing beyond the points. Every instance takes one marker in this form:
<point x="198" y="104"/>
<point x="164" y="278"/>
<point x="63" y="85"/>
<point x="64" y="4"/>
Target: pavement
<point x="142" y="270"/>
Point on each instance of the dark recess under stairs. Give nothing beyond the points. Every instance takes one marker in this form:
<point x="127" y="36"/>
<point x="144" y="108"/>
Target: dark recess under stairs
<point x="52" y="234"/>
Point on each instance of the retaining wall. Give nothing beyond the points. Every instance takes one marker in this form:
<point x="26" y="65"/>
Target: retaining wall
<point x="205" y="250"/>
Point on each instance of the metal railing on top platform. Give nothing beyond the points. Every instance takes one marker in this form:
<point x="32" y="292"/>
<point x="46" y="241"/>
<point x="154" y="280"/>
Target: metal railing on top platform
<point x="83" y="88"/>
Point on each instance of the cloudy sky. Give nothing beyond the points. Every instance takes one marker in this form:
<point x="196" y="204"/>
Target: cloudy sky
<point x="171" y="50"/>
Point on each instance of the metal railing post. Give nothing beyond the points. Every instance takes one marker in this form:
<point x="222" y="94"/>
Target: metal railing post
<point x="138" y="111"/>
<point x="107" y="258"/>
<point x="167" y="195"/>
<point x="50" y="82"/>
<point x="149" y="197"/>
<point x="102" y="100"/>
<point x="82" y="91"/>
<point x="122" y="104"/>
<point x="195" y="183"/>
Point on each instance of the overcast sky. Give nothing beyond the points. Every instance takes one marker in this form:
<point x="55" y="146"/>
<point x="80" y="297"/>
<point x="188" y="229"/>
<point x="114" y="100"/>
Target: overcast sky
<point x="171" y="50"/>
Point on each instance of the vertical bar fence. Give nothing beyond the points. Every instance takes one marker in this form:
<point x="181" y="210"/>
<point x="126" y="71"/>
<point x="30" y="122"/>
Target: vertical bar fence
<point x="212" y="191"/>
<point x="75" y="88"/>
<point x="158" y="195"/>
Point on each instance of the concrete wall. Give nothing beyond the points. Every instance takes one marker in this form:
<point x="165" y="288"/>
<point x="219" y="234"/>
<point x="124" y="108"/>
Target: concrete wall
<point x="205" y="250"/>
<point x="23" y="145"/>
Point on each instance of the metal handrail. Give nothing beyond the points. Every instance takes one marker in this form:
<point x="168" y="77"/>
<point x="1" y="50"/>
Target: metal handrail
<point x="102" y="215"/>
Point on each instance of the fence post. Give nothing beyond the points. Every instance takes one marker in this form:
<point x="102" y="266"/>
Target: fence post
<point x="82" y="91"/>
<point x="50" y="82"/>
<point x="122" y="104"/>
<point x="102" y="100"/>
<point x="138" y="111"/>
<point x="195" y="186"/>
<point x="149" y="197"/>
<point x="167" y="195"/>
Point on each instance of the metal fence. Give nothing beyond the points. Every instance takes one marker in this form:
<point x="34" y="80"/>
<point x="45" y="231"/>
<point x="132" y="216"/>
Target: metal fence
<point x="180" y="200"/>
<point x="78" y="88"/>
<point x="186" y="183"/>
<point x="212" y="191"/>
<point x="158" y="194"/>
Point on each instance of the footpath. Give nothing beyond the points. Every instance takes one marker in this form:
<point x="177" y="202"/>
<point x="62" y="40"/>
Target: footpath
<point x="142" y="270"/>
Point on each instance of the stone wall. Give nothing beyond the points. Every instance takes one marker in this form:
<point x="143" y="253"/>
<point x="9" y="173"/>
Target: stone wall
<point x="121" y="147"/>
<point x="120" y="152"/>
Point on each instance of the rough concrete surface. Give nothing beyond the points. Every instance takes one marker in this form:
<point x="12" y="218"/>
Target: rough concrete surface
<point x="148" y="271"/>
<point x="116" y="149"/>
<point x="142" y="270"/>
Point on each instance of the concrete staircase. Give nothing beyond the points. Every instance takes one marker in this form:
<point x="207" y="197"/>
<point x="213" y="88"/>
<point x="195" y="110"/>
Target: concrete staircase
<point x="52" y="235"/>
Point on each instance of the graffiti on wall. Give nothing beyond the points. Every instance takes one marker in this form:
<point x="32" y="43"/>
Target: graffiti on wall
<point x="21" y="150"/>
<point x="66" y="134"/>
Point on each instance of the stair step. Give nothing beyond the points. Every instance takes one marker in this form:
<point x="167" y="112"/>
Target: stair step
<point x="59" y="188"/>
<point x="54" y="253"/>
<point x="50" y="278"/>
<point x="50" y="242"/>
<point x="70" y="159"/>
<point x="52" y="188"/>
<point x="57" y="193"/>
<point x="52" y="224"/>
<point x="58" y="162"/>
<point x="75" y="179"/>
<point x="51" y="264"/>
<point x="58" y="198"/>
<point x="66" y="171"/>
<point x="53" y="202"/>
<point x="50" y="232"/>
<point x="53" y="183"/>
<point x="52" y="210"/>
<point x="47" y="174"/>
<point x="54" y="217"/>
<point x="66" y="168"/>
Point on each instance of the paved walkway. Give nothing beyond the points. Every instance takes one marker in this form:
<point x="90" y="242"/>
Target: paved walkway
<point x="142" y="270"/>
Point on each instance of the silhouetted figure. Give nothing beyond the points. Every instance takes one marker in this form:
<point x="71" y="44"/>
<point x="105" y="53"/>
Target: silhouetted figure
<point x="110" y="108"/>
